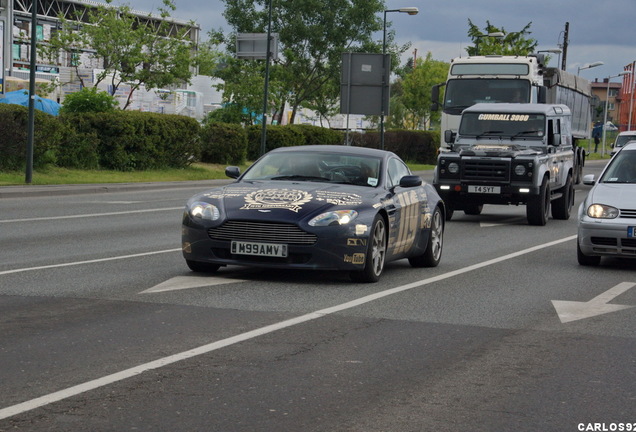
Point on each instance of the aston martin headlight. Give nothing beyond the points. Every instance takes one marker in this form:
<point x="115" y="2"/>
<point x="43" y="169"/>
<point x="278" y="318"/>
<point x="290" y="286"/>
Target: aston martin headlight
<point x="203" y="210"/>
<point x="601" y="211"/>
<point x="453" y="167"/>
<point x="338" y="217"/>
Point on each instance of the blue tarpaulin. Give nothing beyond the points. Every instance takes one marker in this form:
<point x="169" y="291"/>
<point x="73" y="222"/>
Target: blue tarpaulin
<point x="21" y="97"/>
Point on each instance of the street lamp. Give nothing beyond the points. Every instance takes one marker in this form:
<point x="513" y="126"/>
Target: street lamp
<point x="606" y="105"/>
<point x="491" y="34"/>
<point x="589" y="66"/>
<point x="407" y="10"/>
<point x="551" y="51"/>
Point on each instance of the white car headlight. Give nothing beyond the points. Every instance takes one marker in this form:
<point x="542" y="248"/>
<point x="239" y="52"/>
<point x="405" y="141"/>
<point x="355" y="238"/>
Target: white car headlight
<point x="203" y="210"/>
<point x="338" y="217"/>
<point x="601" y="211"/>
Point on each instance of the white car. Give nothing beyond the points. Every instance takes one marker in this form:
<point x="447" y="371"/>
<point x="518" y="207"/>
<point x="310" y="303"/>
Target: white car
<point x="622" y="139"/>
<point x="607" y="217"/>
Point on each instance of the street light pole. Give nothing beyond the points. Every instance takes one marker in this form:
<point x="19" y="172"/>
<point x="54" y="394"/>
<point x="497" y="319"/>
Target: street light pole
<point x="631" y="98"/>
<point x="491" y="34"/>
<point x="589" y="66"/>
<point x="609" y="78"/>
<point x="32" y="65"/>
<point x="410" y="11"/>
<point x="266" y="89"/>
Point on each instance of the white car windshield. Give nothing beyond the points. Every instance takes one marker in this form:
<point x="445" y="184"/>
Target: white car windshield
<point x="622" y="168"/>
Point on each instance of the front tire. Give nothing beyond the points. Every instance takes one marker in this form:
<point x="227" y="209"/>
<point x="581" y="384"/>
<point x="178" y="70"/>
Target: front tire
<point x="562" y="207"/>
<point x="376" y="253"/>
<point x="473" y="209"/>
<point x="433" y="254"/>
<point x="586" y="260"/>
<point x="538" y="206"/>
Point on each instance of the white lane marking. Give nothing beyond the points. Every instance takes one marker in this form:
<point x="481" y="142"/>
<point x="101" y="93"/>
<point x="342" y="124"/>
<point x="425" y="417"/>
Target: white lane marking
<point x="572" y="310"/>
<point x="188" y="282"/>
<point x="510" y="221"/>
<point x="204" y="349"/>
<point x="50" y="218"/>
<point x="20" y="270"/>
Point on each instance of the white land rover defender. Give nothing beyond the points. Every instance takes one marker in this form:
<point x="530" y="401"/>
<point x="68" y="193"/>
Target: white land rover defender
<point x="509" y="154"/>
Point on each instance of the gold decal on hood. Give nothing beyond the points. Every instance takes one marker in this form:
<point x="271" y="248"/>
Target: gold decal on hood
<point x="287" y="199"/>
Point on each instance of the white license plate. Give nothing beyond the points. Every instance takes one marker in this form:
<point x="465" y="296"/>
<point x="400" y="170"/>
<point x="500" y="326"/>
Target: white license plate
<point x="259" y="249"/>
<point x="631" y="232"/>
<point x="484" y="189"/>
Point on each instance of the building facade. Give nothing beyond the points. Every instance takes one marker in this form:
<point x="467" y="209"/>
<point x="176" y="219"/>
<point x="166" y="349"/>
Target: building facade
<point x="15" y="52"/>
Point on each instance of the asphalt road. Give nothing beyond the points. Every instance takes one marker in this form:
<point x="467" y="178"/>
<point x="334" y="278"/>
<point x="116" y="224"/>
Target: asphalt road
<point x="103" y="328"/>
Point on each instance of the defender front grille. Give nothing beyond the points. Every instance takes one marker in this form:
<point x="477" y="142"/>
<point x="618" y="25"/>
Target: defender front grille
<point x="265" y="232"/>
<point x="486" y="170"/>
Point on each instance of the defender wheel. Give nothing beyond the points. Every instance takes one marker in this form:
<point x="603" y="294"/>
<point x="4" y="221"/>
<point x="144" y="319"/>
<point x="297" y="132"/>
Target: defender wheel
<point x="473" y="209"/>
<point x="538" y="206"/>
<point x="562" y="207"/>
<point x="433" y="254"/>
<point x="376" y="253"/>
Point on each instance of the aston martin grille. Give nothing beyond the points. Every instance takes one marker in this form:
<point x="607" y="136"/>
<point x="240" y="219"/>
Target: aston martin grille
<point x="262" y="232"/>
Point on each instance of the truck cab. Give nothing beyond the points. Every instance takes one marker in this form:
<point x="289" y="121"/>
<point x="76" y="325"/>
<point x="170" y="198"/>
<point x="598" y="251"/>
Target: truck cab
<point x="509" y="154"/>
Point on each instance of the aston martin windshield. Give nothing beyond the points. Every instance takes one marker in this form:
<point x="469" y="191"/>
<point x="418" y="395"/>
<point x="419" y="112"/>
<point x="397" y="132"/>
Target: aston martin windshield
<point x="318" y="167"/>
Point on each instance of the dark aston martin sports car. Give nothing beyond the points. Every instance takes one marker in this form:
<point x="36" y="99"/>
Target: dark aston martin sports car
<point x="317" y="207"/>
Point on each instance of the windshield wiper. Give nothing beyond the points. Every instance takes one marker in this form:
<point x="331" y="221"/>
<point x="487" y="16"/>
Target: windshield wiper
<point x="488" y="133"/>
<point x="300" y="177"/>
<point x="524" y="133"/>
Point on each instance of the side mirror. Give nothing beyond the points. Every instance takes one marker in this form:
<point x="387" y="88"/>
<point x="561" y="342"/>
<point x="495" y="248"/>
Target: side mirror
<point x="449" y="136"/>
<point x="410" y="181"/>
<point x="233" y="172"/>
<point x="556" y="140"/>
<point x="542" y="97"/>
<point x="589" y="180"/>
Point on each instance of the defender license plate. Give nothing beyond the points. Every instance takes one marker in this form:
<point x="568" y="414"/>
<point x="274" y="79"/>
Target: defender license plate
<point x="484" y="189"/>
<point x="631" y="232"/>
<point x="259" y="249"/>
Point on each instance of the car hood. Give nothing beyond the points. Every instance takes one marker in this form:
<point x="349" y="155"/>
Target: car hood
<point x="622" y="196"/>
<point x="496" y="150"/>
<point x="285" y="200"/>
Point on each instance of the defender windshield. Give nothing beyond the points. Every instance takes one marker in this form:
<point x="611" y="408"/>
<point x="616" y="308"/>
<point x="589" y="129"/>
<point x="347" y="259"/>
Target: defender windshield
<point x="503" y="124"/>
<point x="463" y="93"/>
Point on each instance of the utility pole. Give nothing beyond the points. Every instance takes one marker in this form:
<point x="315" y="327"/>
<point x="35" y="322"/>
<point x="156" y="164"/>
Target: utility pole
<point x="565" y="46"/>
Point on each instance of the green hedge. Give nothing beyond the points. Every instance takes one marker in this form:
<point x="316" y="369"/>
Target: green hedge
<point x="412" y="146"/>
<point x="223" y="143"/>
<point x="47" y="137"/>
<point x="132" y="140"/>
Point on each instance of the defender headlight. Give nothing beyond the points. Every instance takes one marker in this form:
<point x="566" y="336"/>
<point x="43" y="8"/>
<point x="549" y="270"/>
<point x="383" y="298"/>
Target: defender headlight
<point x="338" y="217"/>
<point x="520" y="170"/>
<point x="453" y="167"/>
<point x="203" y="210"/>
<point x="601" y="211"/>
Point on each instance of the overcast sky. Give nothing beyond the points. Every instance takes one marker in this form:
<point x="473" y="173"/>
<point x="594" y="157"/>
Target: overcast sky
<point x="599" y="30"/>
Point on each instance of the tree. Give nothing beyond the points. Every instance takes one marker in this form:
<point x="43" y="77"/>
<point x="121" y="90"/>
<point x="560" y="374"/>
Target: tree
<point x="514" y="43"/>
<point x="416" y="90"/>
<point x="312" y="39"/>
<point x="139" y="52"/>
<point x="89" y="99"/>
